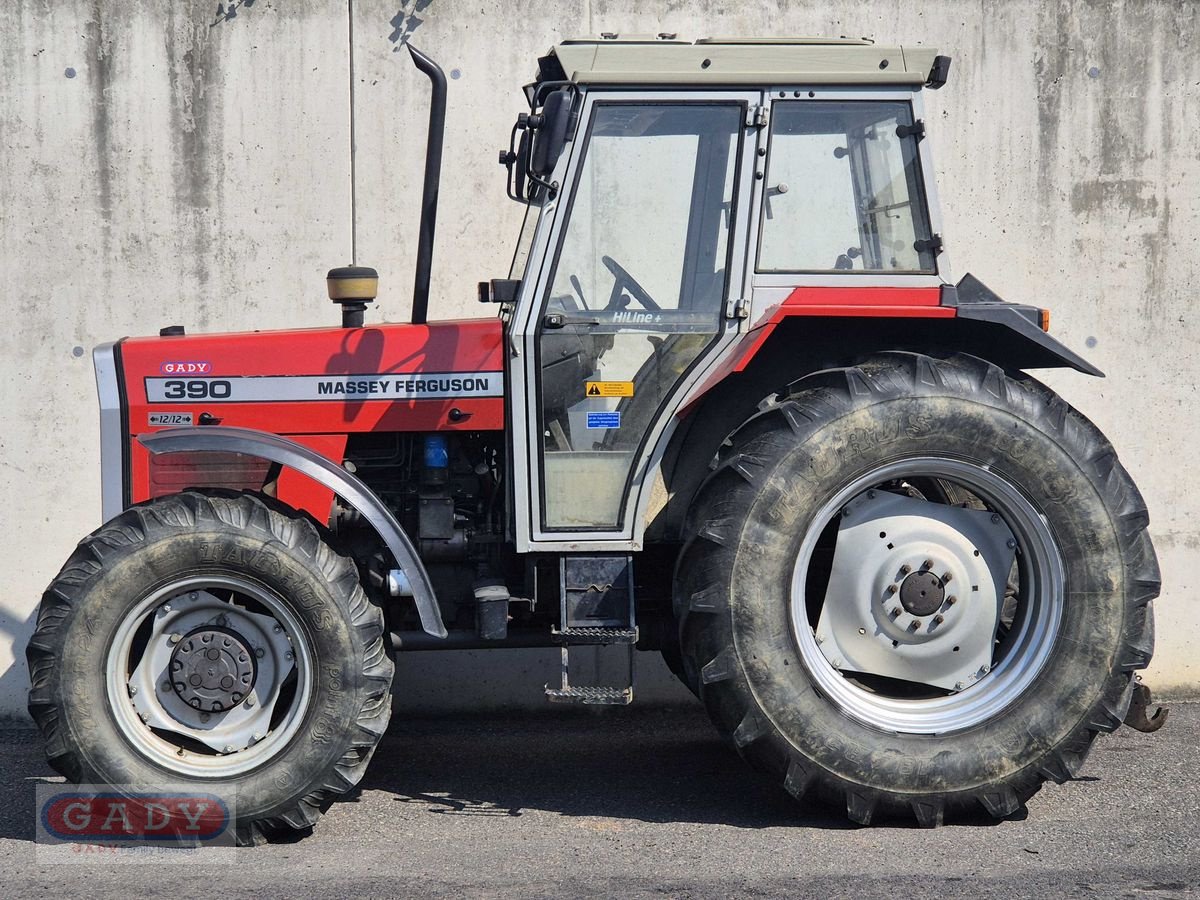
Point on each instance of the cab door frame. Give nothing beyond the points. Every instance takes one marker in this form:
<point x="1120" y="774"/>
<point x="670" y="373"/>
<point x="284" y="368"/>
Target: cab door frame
<point x="525" y="434"/>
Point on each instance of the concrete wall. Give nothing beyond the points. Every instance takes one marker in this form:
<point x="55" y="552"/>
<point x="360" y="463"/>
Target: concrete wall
<point x="170" y="161"/>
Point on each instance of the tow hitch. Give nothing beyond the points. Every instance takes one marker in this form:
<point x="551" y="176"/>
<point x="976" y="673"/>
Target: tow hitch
<point x="1137" y="717"/>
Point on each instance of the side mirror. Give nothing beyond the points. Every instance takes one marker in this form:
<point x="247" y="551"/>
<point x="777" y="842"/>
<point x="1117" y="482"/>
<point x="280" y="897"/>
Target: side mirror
<point x="549" y="140"/>
<point x="522" y="164"/>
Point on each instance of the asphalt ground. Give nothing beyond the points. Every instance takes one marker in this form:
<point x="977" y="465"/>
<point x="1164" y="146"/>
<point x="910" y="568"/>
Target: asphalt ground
<point x="648" y="802"/>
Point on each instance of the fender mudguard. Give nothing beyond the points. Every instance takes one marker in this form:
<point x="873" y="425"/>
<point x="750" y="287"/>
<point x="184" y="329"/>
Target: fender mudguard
<point x="1016" y="327"/>
<point x="280" y="450"/>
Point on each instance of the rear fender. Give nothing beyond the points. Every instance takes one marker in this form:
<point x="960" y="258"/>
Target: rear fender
<point x="288" y="453"/>
<point x="794" y="339"/>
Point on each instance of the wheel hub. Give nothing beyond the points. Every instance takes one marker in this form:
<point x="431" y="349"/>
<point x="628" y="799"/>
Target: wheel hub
<point x="227" y="700"/>
<point x="213" y="668"/>
<point x="915" y="590"/>
<point x="922" y="593"/>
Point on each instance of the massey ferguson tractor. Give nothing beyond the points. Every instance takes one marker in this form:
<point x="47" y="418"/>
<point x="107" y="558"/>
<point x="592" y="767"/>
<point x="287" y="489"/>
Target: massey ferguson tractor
<point x="733" y="409"/>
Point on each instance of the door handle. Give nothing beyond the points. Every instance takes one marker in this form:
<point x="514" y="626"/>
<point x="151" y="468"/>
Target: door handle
<point x="558" y="320"/>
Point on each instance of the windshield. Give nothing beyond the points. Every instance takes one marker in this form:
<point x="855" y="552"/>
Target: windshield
<point x="524" y="241"/>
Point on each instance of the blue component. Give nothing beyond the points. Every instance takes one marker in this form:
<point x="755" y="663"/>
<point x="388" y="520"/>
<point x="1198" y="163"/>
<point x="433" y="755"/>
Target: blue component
<point x="604" y="419"/>
<point x="436" y="454"/>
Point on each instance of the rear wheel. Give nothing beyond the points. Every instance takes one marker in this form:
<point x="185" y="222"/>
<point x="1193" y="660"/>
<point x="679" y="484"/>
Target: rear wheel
<point x="218" y="641"/>
<point x="917" y="585"/>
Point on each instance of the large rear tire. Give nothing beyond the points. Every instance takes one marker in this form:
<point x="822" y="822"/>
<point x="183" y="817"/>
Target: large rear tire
<point x="819" y="614"/>
<point x="216" y="641"/>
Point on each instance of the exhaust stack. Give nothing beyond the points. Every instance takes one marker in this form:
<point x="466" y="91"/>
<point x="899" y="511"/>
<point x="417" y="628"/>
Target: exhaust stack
<point x="433" y="174"/>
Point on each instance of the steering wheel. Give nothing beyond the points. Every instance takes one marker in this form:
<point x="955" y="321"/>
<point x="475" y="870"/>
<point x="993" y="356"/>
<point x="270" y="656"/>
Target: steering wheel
<point x="625" y="280"/>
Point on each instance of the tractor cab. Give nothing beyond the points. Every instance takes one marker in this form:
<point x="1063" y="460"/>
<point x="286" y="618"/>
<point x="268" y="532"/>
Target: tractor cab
<point x="678" y="194"/>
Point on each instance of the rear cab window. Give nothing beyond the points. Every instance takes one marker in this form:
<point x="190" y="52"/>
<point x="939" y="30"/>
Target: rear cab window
<point x="844" y="191"/>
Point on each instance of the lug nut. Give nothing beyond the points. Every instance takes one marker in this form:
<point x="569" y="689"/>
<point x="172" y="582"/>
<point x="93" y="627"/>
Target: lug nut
<point x="895" y="612"/>
<point x="288" y="655"/>
<point x="914" y="624"/>
<point x="260" y="652"/>
<point x="194" y="595"/>
<point x="165" y="686"/>
<point x="277" y="629"/>
<point x="249" y="704"/>
<point x="258" y="736"/>
<point x="950" y="601"/>
<point x="229" y="748"/>
<point x="174" y="638"/>
<point x="959" y="685"/>
<point x="905" y="569"/>
<point x="946" y="578"/>
<point x="995" y="518"/>
<point x="938" y="620"/>
<point x="132" y="690"/>
<point x="928" y="564"/>
<point x="891" y="589"/>
<point x="862" y="631"/>
<point x="144" y="717"/>
<point x="1010" y="544"/>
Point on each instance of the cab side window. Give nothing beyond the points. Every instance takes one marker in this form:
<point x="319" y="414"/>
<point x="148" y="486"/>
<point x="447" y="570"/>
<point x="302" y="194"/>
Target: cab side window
<point x="844" y="191"/>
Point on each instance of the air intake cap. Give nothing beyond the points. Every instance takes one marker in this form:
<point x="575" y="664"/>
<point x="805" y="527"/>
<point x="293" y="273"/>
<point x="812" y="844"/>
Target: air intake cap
<point x="353" y="287"/>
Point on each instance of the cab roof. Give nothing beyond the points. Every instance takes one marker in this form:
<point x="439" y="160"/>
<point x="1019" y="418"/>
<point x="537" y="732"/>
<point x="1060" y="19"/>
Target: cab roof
<point x="665" y="59"/>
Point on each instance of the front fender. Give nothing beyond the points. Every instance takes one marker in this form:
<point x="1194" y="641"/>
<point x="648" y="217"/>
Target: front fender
<point x="280" y="450"/>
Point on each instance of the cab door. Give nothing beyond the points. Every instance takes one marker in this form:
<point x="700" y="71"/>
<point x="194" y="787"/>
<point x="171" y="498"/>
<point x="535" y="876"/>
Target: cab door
<point x="635" y="299"/>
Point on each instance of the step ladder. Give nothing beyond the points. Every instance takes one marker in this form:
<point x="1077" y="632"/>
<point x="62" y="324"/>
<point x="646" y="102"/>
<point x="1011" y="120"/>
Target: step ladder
<point x="596" y="610"/>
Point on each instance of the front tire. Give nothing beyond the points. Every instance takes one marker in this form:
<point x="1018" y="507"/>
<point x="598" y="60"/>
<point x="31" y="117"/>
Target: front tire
<point x="814" y="644"/>
<point x="216" y="641"/>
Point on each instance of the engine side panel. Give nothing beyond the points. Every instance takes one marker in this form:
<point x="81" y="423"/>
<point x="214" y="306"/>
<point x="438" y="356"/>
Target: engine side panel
<point x="316" y="386"/>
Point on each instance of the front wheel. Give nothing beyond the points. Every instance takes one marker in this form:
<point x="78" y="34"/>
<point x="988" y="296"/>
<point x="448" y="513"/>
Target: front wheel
<point x="214" y="641"/>
<point x="917" y="585"/>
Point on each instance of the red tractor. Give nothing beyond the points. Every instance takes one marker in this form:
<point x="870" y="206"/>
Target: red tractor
<point x="733" y="410"/>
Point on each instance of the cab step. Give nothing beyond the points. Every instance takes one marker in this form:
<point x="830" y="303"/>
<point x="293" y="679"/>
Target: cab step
<point x="610" y="696"/>
<point x="596" y="635"/>
<point x="597" y="609"/>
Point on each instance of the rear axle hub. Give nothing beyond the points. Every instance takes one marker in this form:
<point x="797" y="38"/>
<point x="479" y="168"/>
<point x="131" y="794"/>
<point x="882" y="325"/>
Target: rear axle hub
<point x="922" y="593"/>
<point x="212" y="668"/>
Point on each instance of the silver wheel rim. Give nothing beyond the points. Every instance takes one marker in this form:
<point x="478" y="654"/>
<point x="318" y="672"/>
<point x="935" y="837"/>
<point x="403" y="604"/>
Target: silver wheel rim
<point x="1026" y="648"/>
<point x="152" y="714"/>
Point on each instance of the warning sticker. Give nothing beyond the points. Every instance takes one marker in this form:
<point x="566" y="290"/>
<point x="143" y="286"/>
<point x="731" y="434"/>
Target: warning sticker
<point x="604" y="420"/>
<point x="610" y="389"/>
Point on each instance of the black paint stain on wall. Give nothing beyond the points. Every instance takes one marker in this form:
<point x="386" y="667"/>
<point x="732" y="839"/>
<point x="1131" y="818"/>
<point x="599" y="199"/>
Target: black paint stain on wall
<point x="197" y="127"/>
<point x="100" y="78"/>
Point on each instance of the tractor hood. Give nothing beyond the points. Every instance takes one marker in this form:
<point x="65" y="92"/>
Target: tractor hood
<point x="443" y="375"/>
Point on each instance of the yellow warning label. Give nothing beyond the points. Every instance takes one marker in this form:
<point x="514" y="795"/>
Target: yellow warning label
<point x="610" y="388"/>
